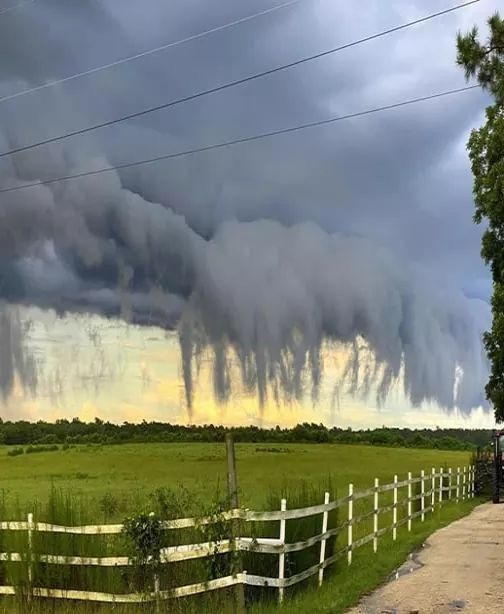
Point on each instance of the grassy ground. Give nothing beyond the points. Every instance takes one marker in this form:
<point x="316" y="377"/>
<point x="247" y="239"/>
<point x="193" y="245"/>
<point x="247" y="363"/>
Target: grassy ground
<point x="343" y="586"/>
<point x="104" y="483"/>
<point x="126" y="474"/>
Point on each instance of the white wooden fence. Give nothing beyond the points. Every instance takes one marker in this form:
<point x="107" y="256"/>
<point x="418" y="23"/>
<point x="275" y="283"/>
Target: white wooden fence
<point x="435" y="488"/>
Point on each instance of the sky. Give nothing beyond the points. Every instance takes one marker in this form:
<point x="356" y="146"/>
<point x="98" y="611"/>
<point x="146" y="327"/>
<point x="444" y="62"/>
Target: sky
<point x="225" y="286"/>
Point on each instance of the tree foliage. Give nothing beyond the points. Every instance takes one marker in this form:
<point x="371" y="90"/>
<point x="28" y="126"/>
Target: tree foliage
<point x="485" y="62"/>
<point x="64" y="434"/>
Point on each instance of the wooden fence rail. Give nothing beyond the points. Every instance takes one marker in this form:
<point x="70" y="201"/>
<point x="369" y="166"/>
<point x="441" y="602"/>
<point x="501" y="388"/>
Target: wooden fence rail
<point x="435" y="487"/>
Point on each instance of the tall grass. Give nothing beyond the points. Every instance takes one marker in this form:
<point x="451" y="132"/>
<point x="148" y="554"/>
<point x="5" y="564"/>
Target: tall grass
<point x="67" y="508"/>
<point x="298" y="495"/>
<point x="70" y="509"/>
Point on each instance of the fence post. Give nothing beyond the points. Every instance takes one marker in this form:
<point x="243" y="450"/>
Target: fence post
<point x="433" y="488"/>
<point x="473" y="475"/>
<point x="441" y="485"/>
<point x="281" y="558"/>
<point x="422" y="494"/>
<point x="410" y="494"/>
<point x="30" y="555"/>
<point x="464" y="482"/>
<point x="375" y="515"/>
<point x="325" y="518"/>
<point x="394" y="511"/>
<point x="350" y="522"/>
<point x="232" y="481"/>
<point x="157" y="592"/>
<point x="449" y="483"/>
<point x="458" y="484"/>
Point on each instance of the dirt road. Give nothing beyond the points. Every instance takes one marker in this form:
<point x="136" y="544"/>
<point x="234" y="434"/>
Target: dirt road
<point x="461" y="569"/>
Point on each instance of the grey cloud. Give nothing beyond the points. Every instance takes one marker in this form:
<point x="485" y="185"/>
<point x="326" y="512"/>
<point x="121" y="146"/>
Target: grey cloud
<point x="139" y="244"/>
<point x="15" y="360"/>
<point x="274" y="293"/>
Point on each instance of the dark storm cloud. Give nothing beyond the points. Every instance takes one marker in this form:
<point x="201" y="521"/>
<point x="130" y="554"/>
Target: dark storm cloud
<point x="137" y="244"/>
<point x="15" y="360"/>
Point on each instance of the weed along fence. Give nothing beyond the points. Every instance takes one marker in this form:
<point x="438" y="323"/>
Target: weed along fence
<point x="261" y="551"/>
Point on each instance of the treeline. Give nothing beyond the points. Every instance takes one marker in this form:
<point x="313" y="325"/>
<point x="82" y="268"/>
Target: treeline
<point x="75" y="431"/>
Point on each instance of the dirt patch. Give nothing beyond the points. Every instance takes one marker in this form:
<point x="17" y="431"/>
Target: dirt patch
<point x="461" y="569"/>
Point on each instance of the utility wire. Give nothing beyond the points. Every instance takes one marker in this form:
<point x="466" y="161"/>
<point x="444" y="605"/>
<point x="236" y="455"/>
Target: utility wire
<point x="16" y="6"/>
<point x="257" y="137"/>
<point x="148" y="52"/>
<point x="230" y="84"/>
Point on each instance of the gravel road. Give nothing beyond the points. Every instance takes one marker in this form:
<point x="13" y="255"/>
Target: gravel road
<point x="460" y="569"/>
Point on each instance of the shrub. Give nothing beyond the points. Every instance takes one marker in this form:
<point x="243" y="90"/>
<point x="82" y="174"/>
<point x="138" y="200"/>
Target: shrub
<point x="219" y="563"/>
<point x="15" y="452"/>
<point x="109" y="505"/>
<point x="173" y="503"/>
<point x="35" y="449"/>
<point x="143" y="538"/>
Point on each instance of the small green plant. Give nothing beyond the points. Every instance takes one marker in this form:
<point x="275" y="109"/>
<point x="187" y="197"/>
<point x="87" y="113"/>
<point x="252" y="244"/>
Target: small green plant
<point x="173" y="503"/>
<point x="109" y="505"/>
<point x="216" y="532"/>
<point x="143" y="537"/>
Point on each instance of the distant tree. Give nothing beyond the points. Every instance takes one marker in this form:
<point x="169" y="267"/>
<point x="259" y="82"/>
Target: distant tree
<point x="420" y="441"/>
<point x="45" y="434"/>
<point x="485" y="61"/>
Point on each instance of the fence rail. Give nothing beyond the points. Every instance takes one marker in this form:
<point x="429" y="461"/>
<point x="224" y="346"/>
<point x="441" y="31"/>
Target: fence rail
<point x="441" y="485"/>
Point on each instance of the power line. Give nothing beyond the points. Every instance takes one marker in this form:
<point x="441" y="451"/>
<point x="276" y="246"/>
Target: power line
<point x="16" y="6"/>
<point x="257" y="137"/>
<point x="230" y="84"/>
<point x="148" y="52"/>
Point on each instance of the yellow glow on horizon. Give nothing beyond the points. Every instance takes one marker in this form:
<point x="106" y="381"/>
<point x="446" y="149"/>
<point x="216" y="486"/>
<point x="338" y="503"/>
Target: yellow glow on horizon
<point x="92" y="367"/>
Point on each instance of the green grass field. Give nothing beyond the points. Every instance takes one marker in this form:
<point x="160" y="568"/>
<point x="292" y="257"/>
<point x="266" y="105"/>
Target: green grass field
<point x="128" y="473"/>
<point x="89" y="484"/>
<point x="343" y="586"/>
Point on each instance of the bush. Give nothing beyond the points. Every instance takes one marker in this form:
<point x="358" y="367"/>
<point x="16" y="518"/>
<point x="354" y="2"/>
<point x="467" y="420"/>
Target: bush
<point x="143" y="539"/>
<point x="172" y="503"/>
<point x="298" y="495"/>
<point x="15" y="452"/>
<point x="109" y="505"/>
<point x="35" y="449"/>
